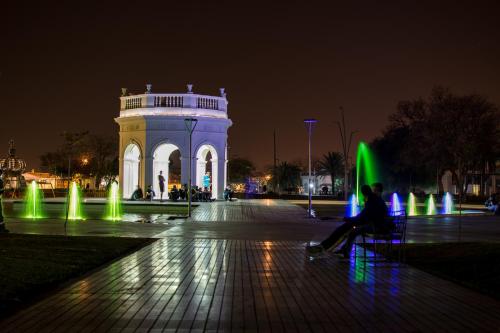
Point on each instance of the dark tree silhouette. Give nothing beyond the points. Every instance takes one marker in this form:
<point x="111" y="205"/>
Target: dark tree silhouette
<point x="332" y="163"/>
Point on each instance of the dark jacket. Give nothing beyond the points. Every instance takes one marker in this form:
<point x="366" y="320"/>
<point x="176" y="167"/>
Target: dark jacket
<point x="375" y="212"/>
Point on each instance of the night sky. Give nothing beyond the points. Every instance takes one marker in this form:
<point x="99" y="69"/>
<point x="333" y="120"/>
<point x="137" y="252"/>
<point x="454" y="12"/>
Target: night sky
<point x="62" y="65"/>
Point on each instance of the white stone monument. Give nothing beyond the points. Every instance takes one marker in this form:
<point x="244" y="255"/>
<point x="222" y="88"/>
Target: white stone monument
<point x="152" y="128"/>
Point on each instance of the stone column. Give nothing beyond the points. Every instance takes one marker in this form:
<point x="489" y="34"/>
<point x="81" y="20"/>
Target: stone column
<point x="184" y="169"/>
<point x="148" y="172"/>
<point x="221" y="177"/>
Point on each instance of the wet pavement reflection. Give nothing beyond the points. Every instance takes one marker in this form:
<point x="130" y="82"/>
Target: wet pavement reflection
<point x="244" y="285"/>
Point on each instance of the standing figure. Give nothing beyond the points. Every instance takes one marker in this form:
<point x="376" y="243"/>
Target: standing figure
<point x="161" y="182"/>
<point x="2" y="224"/>
<point x="206" y="180"/>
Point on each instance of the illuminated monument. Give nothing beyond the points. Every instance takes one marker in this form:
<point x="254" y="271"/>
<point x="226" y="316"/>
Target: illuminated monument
<point x="152" y="130"/>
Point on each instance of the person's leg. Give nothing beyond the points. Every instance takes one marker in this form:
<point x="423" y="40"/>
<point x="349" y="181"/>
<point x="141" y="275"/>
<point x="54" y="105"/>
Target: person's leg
<point x="337" y="236"/>
<point x="351" y="237"/>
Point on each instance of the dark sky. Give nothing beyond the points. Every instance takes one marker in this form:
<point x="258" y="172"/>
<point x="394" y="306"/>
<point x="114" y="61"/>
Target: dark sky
<point x="62" y="65"/>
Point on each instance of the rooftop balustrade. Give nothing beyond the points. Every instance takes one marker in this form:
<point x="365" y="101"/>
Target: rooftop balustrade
<point x="150" y="103"/>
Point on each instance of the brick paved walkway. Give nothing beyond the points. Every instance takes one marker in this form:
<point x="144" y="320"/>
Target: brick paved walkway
<point x="184" y="283"/>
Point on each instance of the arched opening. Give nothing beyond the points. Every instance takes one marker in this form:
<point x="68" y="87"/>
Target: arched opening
<point x="206" y="169"/>
<point x="167" y="160"/>
<point x="131" y="162"/>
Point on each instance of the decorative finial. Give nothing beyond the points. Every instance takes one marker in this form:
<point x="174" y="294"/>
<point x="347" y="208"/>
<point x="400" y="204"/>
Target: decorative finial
<point x="148" y="88"/>
<point x="190" y="88"/>
<point x="222" y="92"/>
<point x="124" y="92"/>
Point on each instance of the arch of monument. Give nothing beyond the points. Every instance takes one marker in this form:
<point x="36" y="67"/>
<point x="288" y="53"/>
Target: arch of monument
<point x="152" y="130"/>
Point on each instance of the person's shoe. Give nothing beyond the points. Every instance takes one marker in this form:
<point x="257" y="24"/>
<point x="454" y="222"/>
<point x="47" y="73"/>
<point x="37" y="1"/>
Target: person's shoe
<point x="315" y="250"/>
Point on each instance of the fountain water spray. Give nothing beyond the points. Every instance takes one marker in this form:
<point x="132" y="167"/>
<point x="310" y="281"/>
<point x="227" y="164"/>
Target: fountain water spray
<point x="412" y="205"/>
<point x="431" y="206"/>
<point x="352" y="206"/>
<point x="366" y="172"/>
<point x="74" y="203"/>
<point x="114" y="205"/>
<point x="447" y="203"/>
<point x="395" y="205"/>
<point x="33" y="202"/>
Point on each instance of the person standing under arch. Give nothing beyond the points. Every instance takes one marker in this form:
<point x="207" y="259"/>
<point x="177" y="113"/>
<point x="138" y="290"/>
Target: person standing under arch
<point x="161" y="182"/>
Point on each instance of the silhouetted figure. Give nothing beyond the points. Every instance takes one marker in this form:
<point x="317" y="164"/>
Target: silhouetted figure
<point x="150" y="194"/>
<point x="206" y="195"/>
<point x="182" y="192"/>
<point x="228" y="194"/>
<point x="174" y="194"/>
<point x="324" y="189"/>
<point x="138" y="194"/>
<point x="161" y="183"/>
<point x="373" y="218"/>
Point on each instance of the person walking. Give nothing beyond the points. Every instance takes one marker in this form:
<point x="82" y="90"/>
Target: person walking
<point x="2" y="223"/>
<point x="161" y="182"/>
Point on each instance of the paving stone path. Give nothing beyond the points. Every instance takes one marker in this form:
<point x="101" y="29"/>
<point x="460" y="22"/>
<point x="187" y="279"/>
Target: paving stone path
<point x="180" y="284"/>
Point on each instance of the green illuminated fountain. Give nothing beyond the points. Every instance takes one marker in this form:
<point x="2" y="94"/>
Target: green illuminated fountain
<point x="412" y="205"/>
<point x="33" y="202"/>
<point x="74" y="204"/>
<point x="430" y="206"/>
<point x="366" y="171"/>
<point x="114" y="205"/>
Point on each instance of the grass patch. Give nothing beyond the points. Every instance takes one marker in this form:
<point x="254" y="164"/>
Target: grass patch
<point x="475" y="265"/>
<point x="32" y="265"/>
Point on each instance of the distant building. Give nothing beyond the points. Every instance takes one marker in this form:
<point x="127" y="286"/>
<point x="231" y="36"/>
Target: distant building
<point x="320" y="182"/>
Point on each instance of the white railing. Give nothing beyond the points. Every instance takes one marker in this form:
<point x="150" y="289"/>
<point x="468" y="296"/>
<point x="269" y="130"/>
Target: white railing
<point x="169" y="101"/>
<point x="188" y="100"/>
<point x="207" y="103"/>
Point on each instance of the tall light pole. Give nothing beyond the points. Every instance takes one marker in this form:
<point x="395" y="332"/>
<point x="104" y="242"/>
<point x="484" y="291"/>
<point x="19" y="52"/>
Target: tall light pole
<point x="309" y="125"/>
<point x="190" y="126"/>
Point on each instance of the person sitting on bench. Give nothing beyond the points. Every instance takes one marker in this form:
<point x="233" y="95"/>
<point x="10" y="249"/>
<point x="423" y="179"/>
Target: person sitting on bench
<point x="137" y="195"/>
<point x="373" y="216"/>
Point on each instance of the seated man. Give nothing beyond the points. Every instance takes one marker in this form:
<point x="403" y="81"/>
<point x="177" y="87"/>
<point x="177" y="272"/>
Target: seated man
<point x="137" y="195"/>
<point x="207" y="195"/>
<point x="227" y="190"/>
<point x="374" y="215"/>
<point x="150" y="194"/>
<point x="174" y="194"/>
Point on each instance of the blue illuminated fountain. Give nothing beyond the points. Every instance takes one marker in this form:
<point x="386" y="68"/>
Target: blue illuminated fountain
<point x="352" y="208"/>
<point x="447" y="203"/>
<point x="395" y="205"/>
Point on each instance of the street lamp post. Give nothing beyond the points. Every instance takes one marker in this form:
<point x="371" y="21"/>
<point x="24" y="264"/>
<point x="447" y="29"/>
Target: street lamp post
<point x="190" y="126"/>
<point x="309" y="125"/>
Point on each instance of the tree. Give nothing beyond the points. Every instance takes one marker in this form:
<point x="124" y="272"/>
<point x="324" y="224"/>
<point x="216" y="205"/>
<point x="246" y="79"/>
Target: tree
<point x="101" y="154"/>
<point x="444" y="132"/>
<point x="239" y="169"/>
<point x="86" y="154"/>
<point x="331" y="164"/>
<point x="288" y="176"/>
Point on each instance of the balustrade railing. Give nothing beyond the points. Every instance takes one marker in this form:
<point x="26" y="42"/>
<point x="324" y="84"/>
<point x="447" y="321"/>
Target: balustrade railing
<point x="192" y="101"/>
